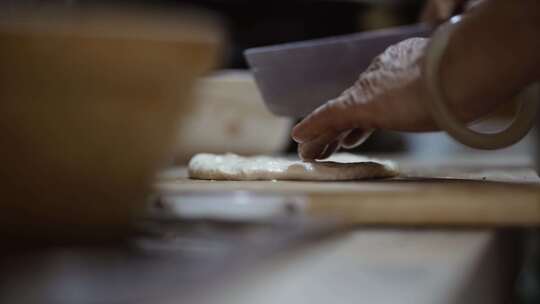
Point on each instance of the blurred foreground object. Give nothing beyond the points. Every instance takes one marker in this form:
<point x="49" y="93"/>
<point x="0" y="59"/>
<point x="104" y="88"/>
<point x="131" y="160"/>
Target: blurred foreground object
<point x="229" y="116"/>
<point x="89" y="101"/>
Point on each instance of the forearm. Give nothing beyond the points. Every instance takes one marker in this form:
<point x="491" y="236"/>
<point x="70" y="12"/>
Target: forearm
<point x="493" y="53"/>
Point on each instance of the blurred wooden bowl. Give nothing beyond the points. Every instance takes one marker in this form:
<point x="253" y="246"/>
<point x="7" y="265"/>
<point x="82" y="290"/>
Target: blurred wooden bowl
<point x="89" y="104"/>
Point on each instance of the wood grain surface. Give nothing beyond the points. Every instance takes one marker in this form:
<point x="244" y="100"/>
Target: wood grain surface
<point x="463" y="191"/>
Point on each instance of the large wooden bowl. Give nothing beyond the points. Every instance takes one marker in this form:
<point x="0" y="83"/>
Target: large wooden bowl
<point x="89" y="104"/>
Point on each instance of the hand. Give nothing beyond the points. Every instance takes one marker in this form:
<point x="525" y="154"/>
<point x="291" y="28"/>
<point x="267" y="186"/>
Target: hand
<point x="485" y="65"/>
<point x="388" y="95"/>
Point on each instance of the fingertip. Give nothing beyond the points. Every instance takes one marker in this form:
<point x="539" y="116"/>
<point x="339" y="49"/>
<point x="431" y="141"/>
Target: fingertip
<point x="296" y="133"/>
<point x="306" y="130"/>
<point x="313" y="125"/>
<point x="332" y="117"/>
<point x="313" y="149"/>
<point x="310" y="151"/>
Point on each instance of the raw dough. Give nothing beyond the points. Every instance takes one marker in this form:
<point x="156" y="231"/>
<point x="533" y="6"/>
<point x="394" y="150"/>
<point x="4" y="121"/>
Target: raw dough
<point x="338" y="167"/>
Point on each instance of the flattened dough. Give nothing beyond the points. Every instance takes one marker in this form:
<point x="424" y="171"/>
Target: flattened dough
<point x="339" y="167"/>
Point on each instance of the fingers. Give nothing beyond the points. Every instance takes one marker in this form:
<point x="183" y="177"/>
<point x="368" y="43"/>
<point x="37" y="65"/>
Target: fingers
<point x="355" y="138"/>
<point x="376" y="100"/>
<point x="336" y="116"/>
<point x="330" y="149"/>
<point x="319" y="148"/>
<point x="334" y="120"/>
<point x="324" y="146"/>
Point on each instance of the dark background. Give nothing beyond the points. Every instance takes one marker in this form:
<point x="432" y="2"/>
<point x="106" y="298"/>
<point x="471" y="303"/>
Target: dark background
<point x="258" y="23"/>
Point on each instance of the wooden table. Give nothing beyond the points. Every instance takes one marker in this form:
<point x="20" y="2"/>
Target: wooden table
<point x="468" y="190"/>
<point x="427" y="259"/>
<point x="459" y="249"/>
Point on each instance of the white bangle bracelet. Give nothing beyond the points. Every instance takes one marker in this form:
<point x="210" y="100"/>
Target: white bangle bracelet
<point x="529" y="100"/>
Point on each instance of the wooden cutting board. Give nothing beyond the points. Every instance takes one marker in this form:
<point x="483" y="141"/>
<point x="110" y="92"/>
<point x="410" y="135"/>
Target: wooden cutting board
<point x="463" y="191"/>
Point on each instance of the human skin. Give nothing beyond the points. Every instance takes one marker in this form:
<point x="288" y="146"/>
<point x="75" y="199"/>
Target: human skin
<point x="493" y="54"/>
<point x="436" y="11"/>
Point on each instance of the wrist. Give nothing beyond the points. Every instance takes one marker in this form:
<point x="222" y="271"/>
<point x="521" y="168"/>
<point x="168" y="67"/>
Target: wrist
<point x="527" y="13"/>
<point x="522" y="27"/>
<point x="492" y="54"/>
<point x="442" y="112"/>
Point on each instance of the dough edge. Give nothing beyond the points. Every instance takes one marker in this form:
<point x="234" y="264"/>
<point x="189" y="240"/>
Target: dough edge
<point x="341" y="167"/>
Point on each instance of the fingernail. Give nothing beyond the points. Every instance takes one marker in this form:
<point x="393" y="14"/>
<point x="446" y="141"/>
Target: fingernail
<point x="296" y="139"/>
<point x="295" y="136"/>
<point x="302" y="132"/>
